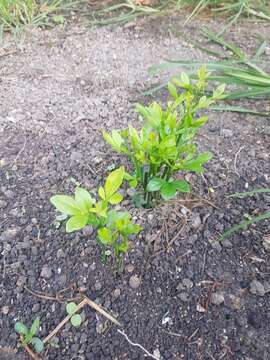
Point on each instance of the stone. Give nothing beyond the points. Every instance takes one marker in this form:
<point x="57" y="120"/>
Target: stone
<point x="116" y="293"/>
<point x="130" y="268"/>
<point x="257" y="288"/>
<point x="226" y="133"/>
<point x="266" y="242"/>
<point x="46" y="272"/>
<point x="184" y="296"/>
<point x="5" y="310"/>
<point x="216" y="246"/>
<point x="134" y="282"/>
<point x="187" y="283"/>
<point x="36" y="308"/>
<point x="9" y="234"/>
<point x="87" y="230"/>
<point x="196" y="221"/>
<point x="98" y="286"/>
<point x="217" y="298"/>
<point x="60" y="254"/>
<point x="226" y="243"/>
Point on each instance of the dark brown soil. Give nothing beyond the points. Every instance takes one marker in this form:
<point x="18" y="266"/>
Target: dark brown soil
<point x="198" y="298"/>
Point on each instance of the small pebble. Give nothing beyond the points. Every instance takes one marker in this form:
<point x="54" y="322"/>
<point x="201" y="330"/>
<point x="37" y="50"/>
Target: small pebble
<point x="46" y="272"/>
<point x="134" y="282"/>
<point x="130" y="268"/>
<point x="116" y="293"/>
<point x="5" y="310"/>
<point x="257" y="288"/>
<point x="217" y="298"/>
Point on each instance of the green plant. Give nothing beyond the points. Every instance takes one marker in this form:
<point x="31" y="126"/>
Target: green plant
<point x="75" y="319"/>
<point x="234" y="68"/>
<point x="114" y="227"/>
<point x="27" y="336"/>
<point x="164" y="145"/>
<point x="17" y="13"/>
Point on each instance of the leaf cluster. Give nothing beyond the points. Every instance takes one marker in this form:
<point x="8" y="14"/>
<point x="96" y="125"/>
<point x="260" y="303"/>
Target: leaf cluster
<point x="28" y="335"/>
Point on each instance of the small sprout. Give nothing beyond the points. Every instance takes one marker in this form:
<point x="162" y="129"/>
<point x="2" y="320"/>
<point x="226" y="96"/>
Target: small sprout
<point x="75" y="319"/>
<point x="28" y="335"/>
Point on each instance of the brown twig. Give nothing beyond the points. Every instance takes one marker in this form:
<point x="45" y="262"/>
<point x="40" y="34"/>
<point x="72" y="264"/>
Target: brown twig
<point x="58" y="296"/>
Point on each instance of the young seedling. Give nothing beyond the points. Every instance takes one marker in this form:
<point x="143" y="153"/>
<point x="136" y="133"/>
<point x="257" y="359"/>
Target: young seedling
<point x="116" y="232"/>
<point x="82" y="209"/>
<point x="75" y="319"/>
<point x="164" y="145"/>
<point x="28" y="335"/>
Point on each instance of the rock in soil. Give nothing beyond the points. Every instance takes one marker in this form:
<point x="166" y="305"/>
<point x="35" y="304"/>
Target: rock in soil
<point x="257" y="288"/>
<point x="134" y="282"/>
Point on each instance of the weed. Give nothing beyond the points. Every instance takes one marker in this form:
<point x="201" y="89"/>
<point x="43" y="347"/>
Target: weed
<point x="251" y="220"/>
<point x="114" y="227"/>
<point x="75" y="319"/>
<point x="27" y="336"/>
<point x="14" y="14"/>
<point x="164" y="144"/>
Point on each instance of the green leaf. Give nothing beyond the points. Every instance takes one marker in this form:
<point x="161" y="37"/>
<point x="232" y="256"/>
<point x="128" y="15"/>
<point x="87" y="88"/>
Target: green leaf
<point x="83" y="199"/>
<point x="155" y="184"/>
<point x="181" y="185"/>
<point x="65" y="204"/>
<point x="34" y="327"/>
<point x="101" y="193"/>
<point x="71" y="308"/>
<point x="168" y="191"/>
<point x="116" y="199"/>
<point x="123" y="247"/>
<point x="172" y="90"/>
<point x="114" y="181"/>
<point x="38" y="344"/>
<point x="76" y="320"/>
<point x="77" y="222"/>
<point x="20" y="328"/>
<point x="117" y="138"/>
<point x="196" y="164"/>
<point x="104" y="236"/>
<point x="184" y="77"/>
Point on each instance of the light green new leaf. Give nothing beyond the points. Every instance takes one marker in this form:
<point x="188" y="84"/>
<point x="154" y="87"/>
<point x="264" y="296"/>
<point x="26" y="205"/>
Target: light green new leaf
<point x="196" y="165"/>
<point x="172" y="90"/>
<point x="116" y="199"/>
<point x="34" y="327"/>
<point x="104" y="236"/>
<point x="20" y="328"/>
<point x="114" y="181"/>
<point x="71" y="308"/>
<point x="76" y="320"/>
<point x="155" y="184"/>
<point x="83" y="199"/>
<point x="65" y="204"/>
<point x="101" y="193"/>
<point x="76" y="222"/>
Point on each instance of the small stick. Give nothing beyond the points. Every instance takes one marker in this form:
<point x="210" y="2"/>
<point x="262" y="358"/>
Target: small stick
<point x="138" y="345"/>
<point x="235" y="160"/>
<point x="85" y="301"/>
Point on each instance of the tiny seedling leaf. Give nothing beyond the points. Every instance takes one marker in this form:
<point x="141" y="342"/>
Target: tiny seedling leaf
<point x="76" y="320"/>
<point x="20" y="328"/>
<point x="71" y="308"/>
<point x="38" y="344"/>
<point x="34" y="327"/>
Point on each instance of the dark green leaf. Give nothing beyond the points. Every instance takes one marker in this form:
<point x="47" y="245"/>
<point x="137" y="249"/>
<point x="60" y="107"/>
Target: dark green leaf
<point x="182" y="186"/>
<point x="168" y="191"/>
<point x="155" y="184"/>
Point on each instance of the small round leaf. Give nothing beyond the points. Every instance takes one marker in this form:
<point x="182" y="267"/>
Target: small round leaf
<point x="76" y="320"/>
<point x="71" y="308"/>
<point x="38" y="344"/>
